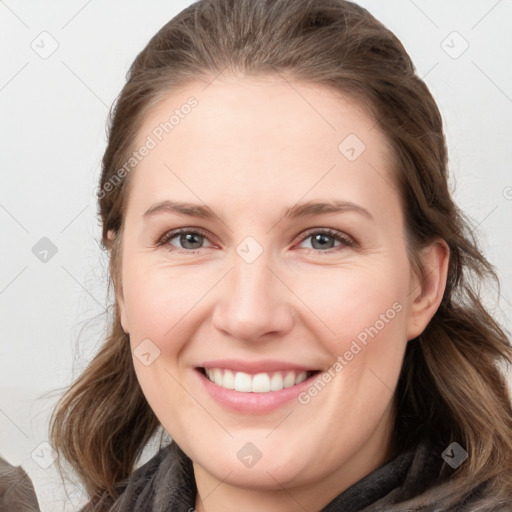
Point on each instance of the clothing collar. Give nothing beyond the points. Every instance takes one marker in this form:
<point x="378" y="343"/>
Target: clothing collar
<point x="166" y="483"/>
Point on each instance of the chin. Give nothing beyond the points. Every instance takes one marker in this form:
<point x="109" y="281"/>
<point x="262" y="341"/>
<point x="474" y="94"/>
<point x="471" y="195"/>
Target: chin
<point x="275" y="470"/>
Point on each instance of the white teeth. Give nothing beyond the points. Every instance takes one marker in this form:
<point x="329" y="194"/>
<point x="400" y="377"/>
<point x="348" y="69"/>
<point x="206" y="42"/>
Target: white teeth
<point x="289" y="380"/>
<point x="259" y="383"/>
<point x="217" y="377"/>
<point x="229" y="380"/>
<point x="242" y="382"/>
<point x="301" y="377"/>
<point x="276" y="382"/>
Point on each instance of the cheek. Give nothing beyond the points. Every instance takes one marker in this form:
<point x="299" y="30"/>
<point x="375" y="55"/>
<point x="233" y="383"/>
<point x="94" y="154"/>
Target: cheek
<point x="351" y="302"/>
<point x="157" y="299"/>
<point x="363" y="327"/>
<point x="159" y="305"/>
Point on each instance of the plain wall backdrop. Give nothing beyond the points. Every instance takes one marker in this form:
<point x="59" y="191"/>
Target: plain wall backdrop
<point x="64" y="63"/>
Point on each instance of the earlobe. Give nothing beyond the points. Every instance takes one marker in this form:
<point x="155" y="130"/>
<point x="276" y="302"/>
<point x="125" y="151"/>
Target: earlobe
<point x="427" y="293"/>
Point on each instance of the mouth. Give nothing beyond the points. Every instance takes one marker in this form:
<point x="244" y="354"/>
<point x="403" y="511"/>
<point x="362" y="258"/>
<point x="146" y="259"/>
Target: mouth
<point x="263" y="382"/>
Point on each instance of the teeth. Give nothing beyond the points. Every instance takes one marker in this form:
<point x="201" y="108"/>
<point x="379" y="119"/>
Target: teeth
<point x="217" y="377"/>
<point x="301" y="378"/>
<point x="242" y="382"/>
<point x="289" y="380"/>
<point x="259" y="383"/>
<point x="229" y="380"/>
<point x="276" y="382"/>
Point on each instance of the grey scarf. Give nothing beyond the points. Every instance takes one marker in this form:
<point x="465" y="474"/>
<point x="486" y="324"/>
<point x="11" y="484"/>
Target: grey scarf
<point x="405" y="484"/>
<point x="166" y="484"/>
<point x="16" y="490"/>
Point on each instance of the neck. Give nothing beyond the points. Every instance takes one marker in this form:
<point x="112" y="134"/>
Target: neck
<point x="224" y="495"/>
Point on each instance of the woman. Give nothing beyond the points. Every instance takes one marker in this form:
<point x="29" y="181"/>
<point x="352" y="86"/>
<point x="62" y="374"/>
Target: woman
<point x="294" y="286"/>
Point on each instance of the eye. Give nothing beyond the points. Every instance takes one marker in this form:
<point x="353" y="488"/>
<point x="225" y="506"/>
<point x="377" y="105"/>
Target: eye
<point x="323" y="240"/>
<point x="190" y="241"/>
<point x="185" y="240"/>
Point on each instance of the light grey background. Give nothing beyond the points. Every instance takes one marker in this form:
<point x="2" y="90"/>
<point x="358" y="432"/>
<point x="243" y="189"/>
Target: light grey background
<point x="52" y="139"/>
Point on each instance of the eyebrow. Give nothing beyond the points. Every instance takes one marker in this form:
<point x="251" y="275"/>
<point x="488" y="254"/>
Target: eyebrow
<point x="305" y="209"/>
<point x="312" y="208"/>
<point x="190" y="209"/>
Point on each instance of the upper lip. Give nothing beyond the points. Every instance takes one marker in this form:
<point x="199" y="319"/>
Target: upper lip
<point x="263" y="366"/>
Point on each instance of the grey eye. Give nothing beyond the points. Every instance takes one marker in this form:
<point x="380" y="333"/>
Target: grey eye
<point x="190" y="240"/>
<point x="322" y="241"/>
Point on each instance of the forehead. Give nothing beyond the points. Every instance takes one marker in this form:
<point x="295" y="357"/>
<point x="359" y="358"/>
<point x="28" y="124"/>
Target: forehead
<point x="241" y="138"/>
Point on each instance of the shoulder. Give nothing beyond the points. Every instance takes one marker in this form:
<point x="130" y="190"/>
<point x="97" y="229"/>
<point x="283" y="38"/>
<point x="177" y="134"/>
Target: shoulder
<point x="16" y="489"/>
<point x="433" y="486"/>
<point x="167" y="477"/>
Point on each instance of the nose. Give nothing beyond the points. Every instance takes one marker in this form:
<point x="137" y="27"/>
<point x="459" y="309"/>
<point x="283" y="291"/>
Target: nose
<point x="254" y="304"/>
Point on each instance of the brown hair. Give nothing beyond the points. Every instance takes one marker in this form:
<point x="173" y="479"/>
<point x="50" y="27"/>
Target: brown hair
<point x="450" y="387"/>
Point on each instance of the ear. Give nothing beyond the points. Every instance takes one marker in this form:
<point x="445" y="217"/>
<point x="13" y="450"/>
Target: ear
<point x="118" y="286"/>
<point x="427" y="292"/>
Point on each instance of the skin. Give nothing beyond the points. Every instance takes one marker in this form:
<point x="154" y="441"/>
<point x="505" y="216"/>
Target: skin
<point x="252" y="147"/>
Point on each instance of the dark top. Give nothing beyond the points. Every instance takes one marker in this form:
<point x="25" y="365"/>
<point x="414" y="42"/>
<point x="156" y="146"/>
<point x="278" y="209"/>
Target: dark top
<point x="166" y="484"/>
<point x="408" y="483"/>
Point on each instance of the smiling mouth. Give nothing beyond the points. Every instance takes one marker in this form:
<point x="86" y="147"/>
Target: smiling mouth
<point x="256" y="383"/>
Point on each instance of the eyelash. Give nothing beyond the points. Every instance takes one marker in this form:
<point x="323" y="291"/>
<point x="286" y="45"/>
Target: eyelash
<point x="343" y="239"/>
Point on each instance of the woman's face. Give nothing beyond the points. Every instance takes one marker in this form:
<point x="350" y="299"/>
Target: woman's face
<point x="264" y="238"/>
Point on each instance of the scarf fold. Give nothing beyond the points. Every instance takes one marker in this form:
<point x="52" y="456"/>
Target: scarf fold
<point x="17" y="492"/>
<point x="408" y="483"/>
<point x="166" y="483"/>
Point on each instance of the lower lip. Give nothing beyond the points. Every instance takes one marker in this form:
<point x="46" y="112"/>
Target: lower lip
<point x="255" y="403"/>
